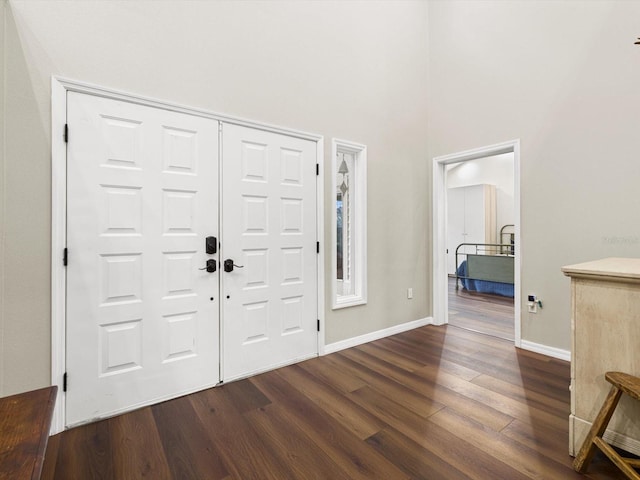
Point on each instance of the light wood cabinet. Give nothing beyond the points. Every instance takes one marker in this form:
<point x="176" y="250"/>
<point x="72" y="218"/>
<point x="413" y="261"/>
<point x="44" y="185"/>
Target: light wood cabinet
<point x="605" y="333"/>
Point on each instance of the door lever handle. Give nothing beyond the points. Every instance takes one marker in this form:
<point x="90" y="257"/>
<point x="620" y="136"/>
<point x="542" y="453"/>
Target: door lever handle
<point x="211" y="266"/>
<point x="228" y="265"/>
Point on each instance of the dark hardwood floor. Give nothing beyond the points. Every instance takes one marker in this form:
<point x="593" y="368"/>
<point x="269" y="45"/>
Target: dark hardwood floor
<point x="433" y="403"/>
<point x="481" y="312"/>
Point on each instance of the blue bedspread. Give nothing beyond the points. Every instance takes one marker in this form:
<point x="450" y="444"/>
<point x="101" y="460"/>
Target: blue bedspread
<point x="484" y="286"/>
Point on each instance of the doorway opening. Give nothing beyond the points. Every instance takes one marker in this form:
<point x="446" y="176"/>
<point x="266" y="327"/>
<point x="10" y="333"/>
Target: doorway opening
<point x="481" y="245"/>
<point x="476" y="244"/>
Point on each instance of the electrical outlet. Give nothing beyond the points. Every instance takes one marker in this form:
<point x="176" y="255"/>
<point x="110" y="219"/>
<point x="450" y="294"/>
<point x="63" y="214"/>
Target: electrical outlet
<point x="534" y="303"/>
<point x="409" y="292"/>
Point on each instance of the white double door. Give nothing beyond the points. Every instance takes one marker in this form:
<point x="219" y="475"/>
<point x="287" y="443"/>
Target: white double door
<point x="146" y="321"/>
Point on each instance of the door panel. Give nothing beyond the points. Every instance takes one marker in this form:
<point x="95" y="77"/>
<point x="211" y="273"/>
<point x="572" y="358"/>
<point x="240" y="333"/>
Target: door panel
<point x="455" y="226"/>
<point x="269" y="232"/>
<point x="142" y="317"/>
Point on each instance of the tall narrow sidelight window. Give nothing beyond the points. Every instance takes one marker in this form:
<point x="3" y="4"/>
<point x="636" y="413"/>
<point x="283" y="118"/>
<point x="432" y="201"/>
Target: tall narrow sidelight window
<point x="349" y="224"/>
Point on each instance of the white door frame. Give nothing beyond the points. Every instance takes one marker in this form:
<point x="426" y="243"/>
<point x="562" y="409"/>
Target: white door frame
<point x="439" y="203"/>
<point x="59" y="88"/>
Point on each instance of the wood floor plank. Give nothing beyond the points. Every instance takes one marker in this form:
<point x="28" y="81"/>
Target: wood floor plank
<point x="407" y="363"/>
<point x="500" y="402"/>
<point x="292" y="445"/>
<point x="85" y="452"/>
<point x="519" y="393"/>
<point x="387" y="410"/>
<point x="519" y="456"/>
<point x="549" y="441"/>
<point x="501" y="362"/>
<point x="460" y="454"/>
<point x="412" y="400"/>
<point x="245" y="396"/>
<point x="244" y="454"/>
<point x="427" y="357"/>
<point x="330" y="437"/>
<point x="535" y="363"/>
<point x="136" y="447"/>
<point x="417" y="462"/>
<point x="483" y="313"/>
<point x="459" y="341"/>
<point x="187" y="447"/>
<point x="357" y="420"/>
<point x="427" y="388"/>
<point x="460" y="335"/>
<point x="51" y="457"/>
<point x="325" y="369"/>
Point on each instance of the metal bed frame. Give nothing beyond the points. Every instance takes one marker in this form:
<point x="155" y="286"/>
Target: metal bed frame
<point x="492" y="262"/>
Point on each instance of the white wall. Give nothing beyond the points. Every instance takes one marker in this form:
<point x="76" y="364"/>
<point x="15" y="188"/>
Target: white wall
<point x="352" y="70"/>
<point x="495" y="170"/>
<point x="562" y="77"/>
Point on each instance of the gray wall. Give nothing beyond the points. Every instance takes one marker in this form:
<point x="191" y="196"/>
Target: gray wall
<point x="564" y="77"/>
<point x="561" y="76"/>
<point x="2" y="187"/>
<point x="352" y="70"/>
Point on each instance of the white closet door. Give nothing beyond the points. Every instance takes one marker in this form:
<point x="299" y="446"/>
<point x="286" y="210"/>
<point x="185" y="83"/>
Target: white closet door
<point x="142" y="317"/>
<point x="471" y="218"/>
<point x="476" y="212"/>
<point x="455" y="226"/>
<point x="269" y="229"/>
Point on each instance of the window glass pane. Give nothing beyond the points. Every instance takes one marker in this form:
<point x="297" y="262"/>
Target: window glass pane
<point x="349" y="224"/>
<point x="345" y="247"/>
<point x="339" y="243"/>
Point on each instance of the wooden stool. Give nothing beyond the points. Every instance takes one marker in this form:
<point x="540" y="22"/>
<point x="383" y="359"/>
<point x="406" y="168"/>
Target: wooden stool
<point x="621" y="383"/>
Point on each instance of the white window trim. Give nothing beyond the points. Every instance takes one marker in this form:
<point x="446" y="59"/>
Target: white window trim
<point x="359" y="226"/>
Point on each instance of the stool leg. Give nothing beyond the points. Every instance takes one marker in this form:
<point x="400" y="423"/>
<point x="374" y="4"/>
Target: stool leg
<point x="585" y="455"/>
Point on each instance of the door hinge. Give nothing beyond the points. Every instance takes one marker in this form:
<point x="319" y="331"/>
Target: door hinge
<point x="64" y="382"/>
<point x="65" y="256"/>
<point x="317" y="169"/>
<point x="318" y="326"/>
<point x="66" y="133"/>
<point x="317" y="247"/>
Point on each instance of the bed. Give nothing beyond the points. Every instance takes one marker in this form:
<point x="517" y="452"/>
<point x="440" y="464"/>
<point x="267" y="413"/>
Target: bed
<point x="486" y="268"/>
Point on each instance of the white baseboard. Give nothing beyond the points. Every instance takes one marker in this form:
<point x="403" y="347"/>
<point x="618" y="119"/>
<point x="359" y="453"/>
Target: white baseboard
<point x="614" y="438"/>
<point x="546" y="350"/>
<point x="370" y="337"/>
